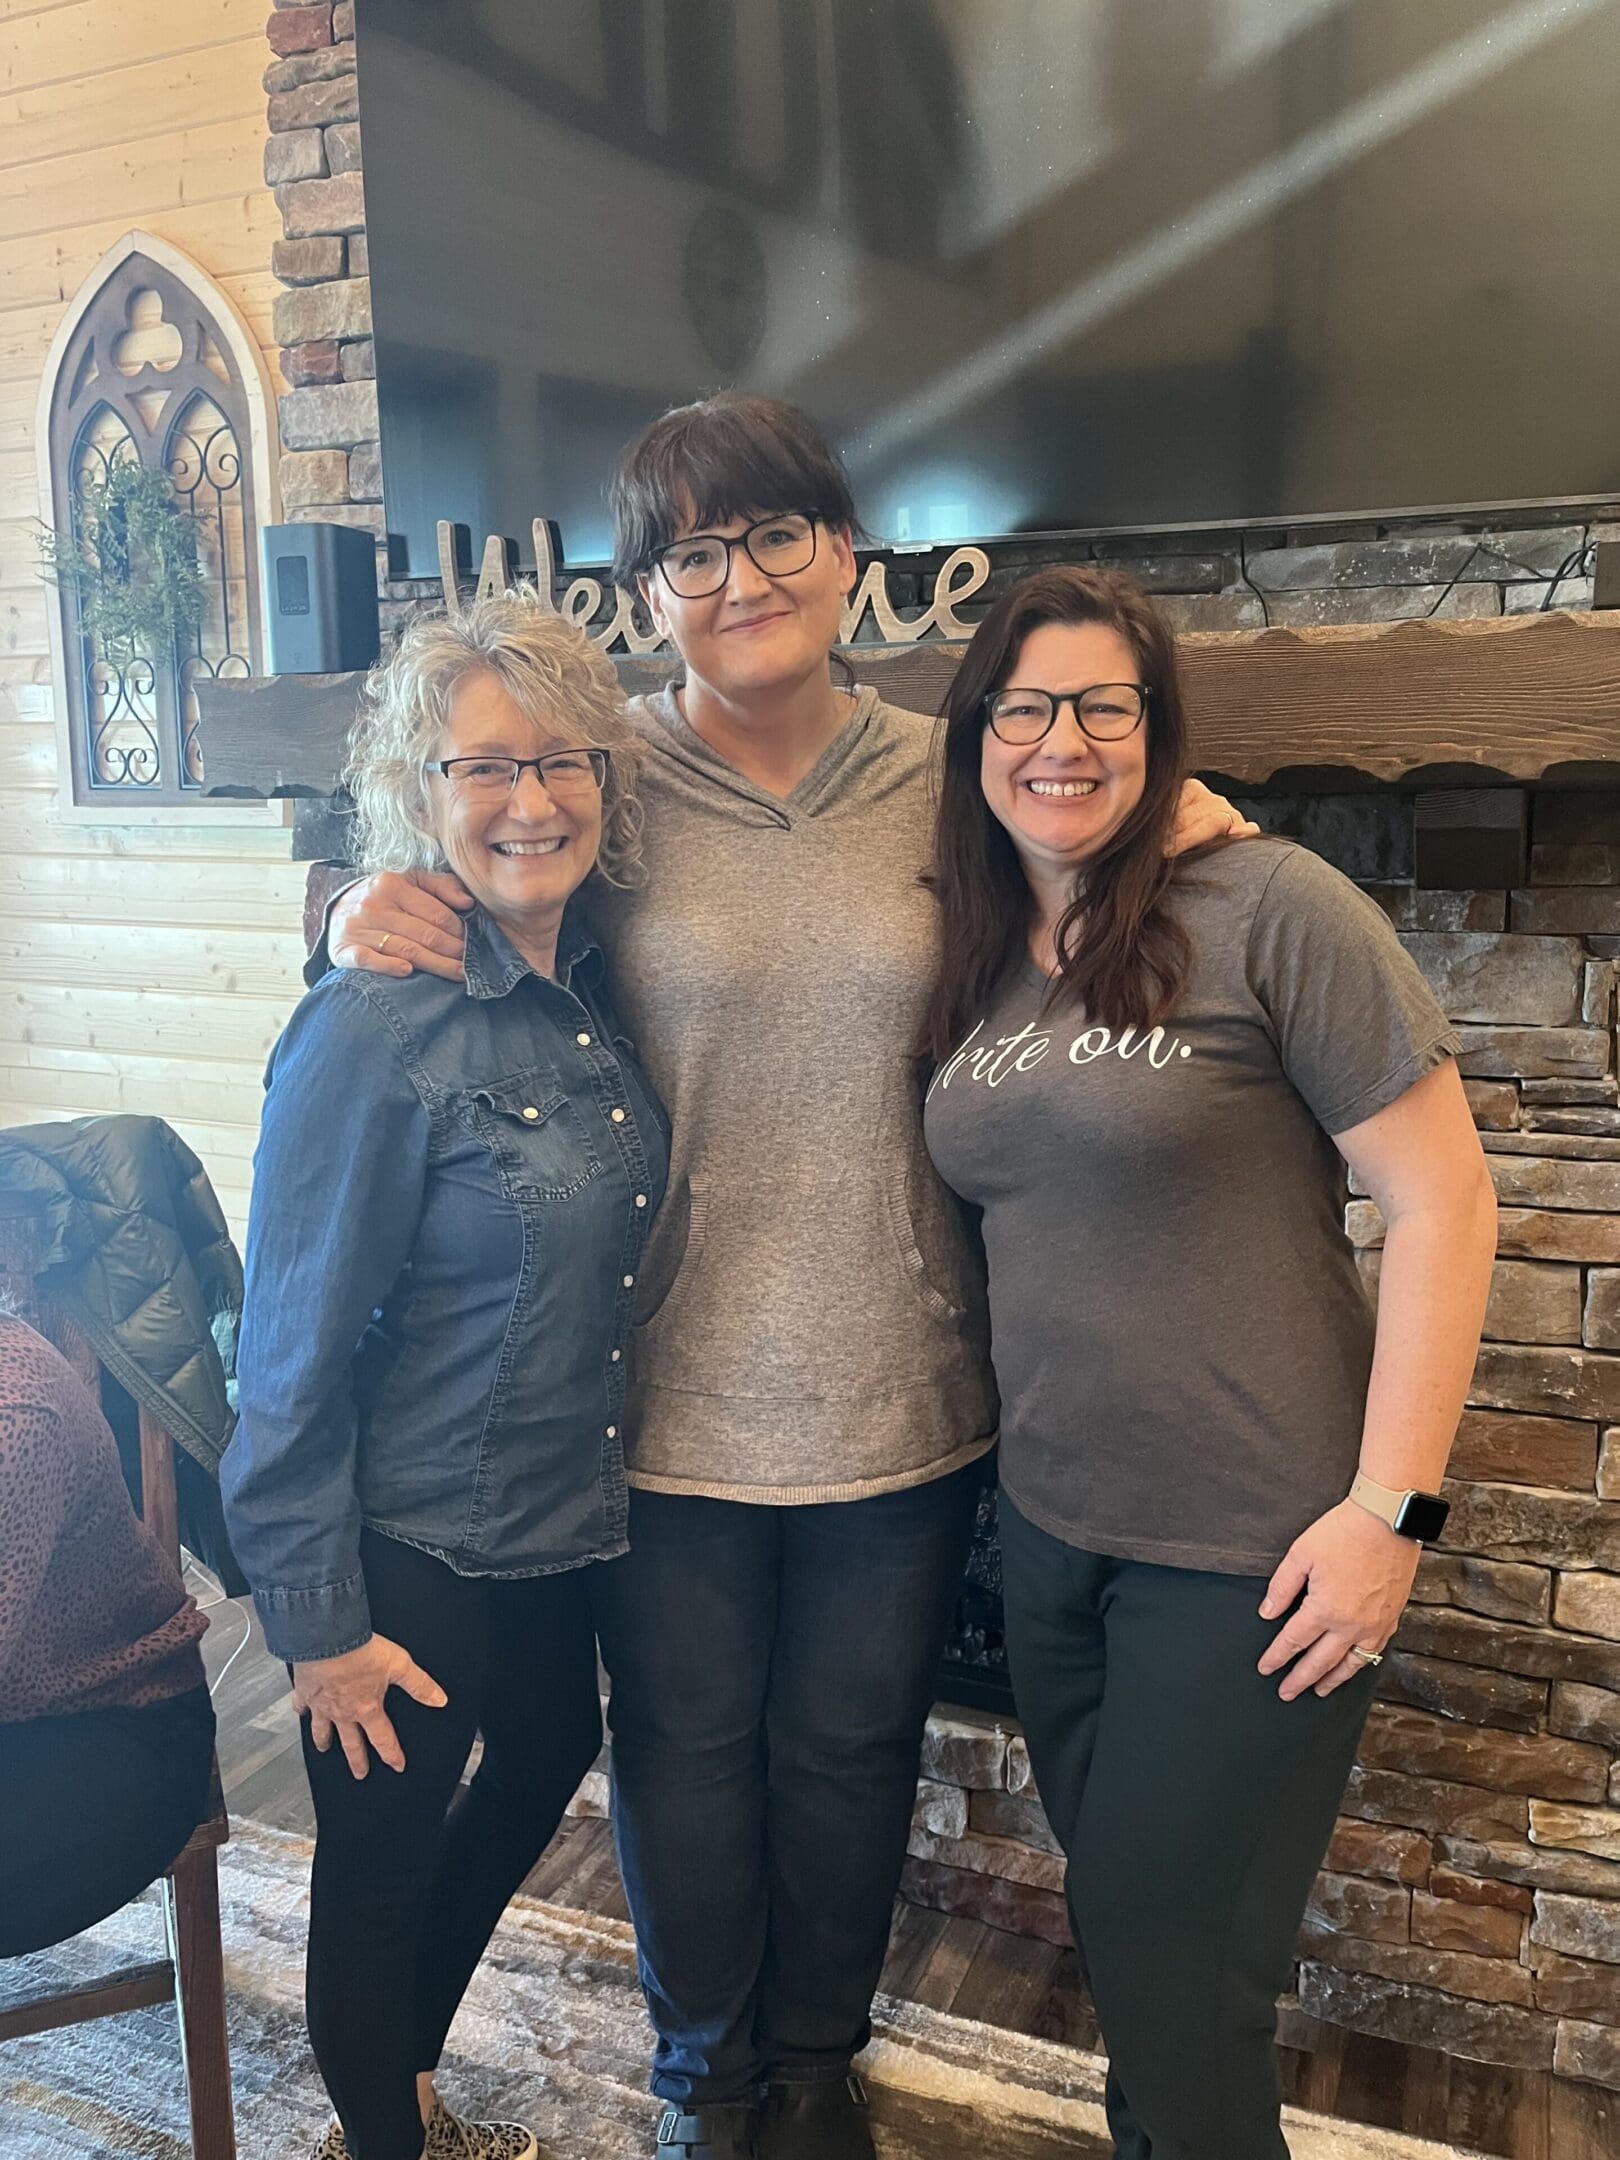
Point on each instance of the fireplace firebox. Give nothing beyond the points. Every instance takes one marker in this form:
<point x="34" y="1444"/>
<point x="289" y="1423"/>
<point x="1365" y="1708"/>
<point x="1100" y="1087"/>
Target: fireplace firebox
<point x="973" y="1671"/>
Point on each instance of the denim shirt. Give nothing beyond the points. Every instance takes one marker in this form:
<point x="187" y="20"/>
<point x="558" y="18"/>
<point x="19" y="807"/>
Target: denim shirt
<point x="452" y="1193"/>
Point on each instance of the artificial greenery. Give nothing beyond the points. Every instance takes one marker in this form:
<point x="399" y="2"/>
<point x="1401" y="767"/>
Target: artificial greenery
<point x="130" y="560"/>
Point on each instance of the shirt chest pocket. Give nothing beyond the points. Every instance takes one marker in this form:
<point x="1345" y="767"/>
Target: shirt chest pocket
<point x="538" y="1140"/>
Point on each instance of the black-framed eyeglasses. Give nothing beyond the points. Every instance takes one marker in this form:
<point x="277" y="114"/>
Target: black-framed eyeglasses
<point x="562" y="773"/>
<point x="699" y="565"/>
<point x="1106" y="712"/>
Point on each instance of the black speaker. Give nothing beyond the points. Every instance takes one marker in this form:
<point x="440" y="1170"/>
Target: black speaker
<point x="320" y="584"/>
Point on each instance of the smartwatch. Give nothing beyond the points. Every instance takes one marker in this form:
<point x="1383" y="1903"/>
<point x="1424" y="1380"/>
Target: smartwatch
<point x="1420" y="1516"/>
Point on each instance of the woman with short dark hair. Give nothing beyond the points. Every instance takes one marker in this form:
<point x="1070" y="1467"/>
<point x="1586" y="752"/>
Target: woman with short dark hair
<point x="1216" y="1472"/>
<point x="813" y="1401"/>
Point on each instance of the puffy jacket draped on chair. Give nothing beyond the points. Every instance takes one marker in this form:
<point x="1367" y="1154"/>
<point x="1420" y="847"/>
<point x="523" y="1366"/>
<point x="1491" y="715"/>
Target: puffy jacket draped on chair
<point x="138" y="1254"/>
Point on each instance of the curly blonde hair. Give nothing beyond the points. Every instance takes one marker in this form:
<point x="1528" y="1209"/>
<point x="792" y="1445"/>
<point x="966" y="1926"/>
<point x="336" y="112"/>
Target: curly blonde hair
<point x="551" y="671"/>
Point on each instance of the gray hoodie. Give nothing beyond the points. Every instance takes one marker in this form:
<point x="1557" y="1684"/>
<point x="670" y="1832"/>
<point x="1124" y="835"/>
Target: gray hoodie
<point x="811" y="1314"/>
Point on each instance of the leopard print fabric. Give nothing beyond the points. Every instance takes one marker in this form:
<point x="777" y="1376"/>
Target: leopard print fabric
<point x="93" y="1615"/>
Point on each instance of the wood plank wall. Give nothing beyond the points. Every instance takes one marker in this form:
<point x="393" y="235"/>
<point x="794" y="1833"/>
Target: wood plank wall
<point x="142" y="968"/>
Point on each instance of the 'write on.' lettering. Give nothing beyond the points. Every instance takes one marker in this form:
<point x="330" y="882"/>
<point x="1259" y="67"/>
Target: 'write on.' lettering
<point x="991" y="1062"/>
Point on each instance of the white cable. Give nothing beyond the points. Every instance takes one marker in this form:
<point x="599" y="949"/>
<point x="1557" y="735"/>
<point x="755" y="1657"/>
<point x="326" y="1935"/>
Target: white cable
<point x="247" y="1636"/>
<point x="195" y="1565"/>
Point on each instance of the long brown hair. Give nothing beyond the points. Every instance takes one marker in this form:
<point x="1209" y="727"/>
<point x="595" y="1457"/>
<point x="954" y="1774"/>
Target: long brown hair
<point x="1120" y="951"/>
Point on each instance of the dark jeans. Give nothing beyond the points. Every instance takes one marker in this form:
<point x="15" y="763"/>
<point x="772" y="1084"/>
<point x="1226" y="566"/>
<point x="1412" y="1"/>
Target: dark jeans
<point x="404" y="1895"/>
<point x="772" y="1668"/>
<point x="1194" y="1805"/>
<point x="93" y="1807"/>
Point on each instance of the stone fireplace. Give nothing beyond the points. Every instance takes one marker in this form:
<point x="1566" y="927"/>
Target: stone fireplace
<point x="1471" y="1897"/>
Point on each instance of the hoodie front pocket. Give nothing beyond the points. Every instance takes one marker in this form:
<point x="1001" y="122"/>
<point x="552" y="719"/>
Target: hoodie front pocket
<point x="913" y="1266"/>
<point x="676" y="1252"/>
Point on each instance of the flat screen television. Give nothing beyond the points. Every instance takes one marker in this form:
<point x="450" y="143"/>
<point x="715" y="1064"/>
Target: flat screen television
<point x="1035" y="264"/>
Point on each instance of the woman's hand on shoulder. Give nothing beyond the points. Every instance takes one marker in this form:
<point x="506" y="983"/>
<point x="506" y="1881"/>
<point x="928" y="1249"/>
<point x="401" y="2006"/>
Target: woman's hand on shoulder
<point x="401" y="923"/>
<point x="1203" y="816"/>
<point x="1356" y="1576"/>
<point x="346" y="1697"/>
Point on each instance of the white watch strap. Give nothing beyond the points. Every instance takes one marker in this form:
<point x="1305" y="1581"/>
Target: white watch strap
<point x="1379" y="1500"/>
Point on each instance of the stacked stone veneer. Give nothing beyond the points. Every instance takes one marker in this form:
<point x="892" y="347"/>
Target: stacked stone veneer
<point x="1471" y="1899"/>
<point x="322" y="321"/>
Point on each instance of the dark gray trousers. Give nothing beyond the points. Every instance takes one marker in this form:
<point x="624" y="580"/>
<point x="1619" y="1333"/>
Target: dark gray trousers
<point x="1194" y="1806"/>
<point x="93" y="1807"/>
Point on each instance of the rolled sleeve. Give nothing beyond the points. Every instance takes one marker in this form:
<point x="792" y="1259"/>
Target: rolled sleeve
<point x="1355" y="1023"/>
<point x="339" y="1175"/>
<point x="318" y="1623"/>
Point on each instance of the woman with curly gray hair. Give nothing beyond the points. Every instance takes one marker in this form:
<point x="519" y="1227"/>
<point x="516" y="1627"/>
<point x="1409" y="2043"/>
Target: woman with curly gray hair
<point x="453" y="1189"/>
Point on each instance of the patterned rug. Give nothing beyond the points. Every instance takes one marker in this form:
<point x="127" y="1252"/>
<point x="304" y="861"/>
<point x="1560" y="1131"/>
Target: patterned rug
<point x="552" y="2032"/>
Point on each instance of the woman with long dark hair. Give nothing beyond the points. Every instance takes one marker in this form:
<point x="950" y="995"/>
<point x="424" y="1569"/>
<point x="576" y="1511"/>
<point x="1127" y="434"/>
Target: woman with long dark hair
<point x="811" y="1398"/>
<point x="1215" y="1474"/>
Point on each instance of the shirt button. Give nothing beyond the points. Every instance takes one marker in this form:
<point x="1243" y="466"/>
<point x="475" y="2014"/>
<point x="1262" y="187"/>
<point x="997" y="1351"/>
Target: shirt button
<point x="582" y="1039"/>
<point x="629" y="1282"/>
<point x="641" y="1199"/>
<point x="617" y="1116"/>
<point x="613" y="1432"/>
<point x="617" y="1355"/>
<point x="530" y="1112"/>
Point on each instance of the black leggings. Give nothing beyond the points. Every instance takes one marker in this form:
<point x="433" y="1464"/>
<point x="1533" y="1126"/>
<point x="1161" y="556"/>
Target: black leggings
<point x="93" y="1807"/>
<point x="404" y="1896"/>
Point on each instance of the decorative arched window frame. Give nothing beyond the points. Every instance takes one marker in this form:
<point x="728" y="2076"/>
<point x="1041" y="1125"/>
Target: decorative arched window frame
<point x="69" y="399"/>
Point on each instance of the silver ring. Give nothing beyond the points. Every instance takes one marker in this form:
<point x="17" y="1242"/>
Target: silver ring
<point x="1367" y="1657"/>
<point x="382" y="942"/>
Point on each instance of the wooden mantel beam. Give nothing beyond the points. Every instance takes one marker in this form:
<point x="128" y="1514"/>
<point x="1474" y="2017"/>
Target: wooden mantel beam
<point x="1516" y="697"/>
<point x="1511" y="698"/>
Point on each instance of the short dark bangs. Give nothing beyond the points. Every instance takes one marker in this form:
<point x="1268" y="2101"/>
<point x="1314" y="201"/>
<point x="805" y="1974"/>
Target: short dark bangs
<point x="727" y="457"/>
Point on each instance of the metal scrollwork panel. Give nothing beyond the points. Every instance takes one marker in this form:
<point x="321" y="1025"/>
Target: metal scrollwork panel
<point x="119" y="692"/>
<point x="205" y="469"/>
<point x="125" y="749"/>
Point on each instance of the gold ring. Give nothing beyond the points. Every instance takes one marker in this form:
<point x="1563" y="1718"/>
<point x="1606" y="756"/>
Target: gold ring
<point x="382" y="942"/>
<point x="1367" y="1657"/>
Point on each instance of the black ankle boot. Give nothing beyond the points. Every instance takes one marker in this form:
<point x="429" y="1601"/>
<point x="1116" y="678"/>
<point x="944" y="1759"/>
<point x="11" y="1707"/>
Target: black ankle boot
<point x="816" y="2119"/>
<point x="708" y="2133"/>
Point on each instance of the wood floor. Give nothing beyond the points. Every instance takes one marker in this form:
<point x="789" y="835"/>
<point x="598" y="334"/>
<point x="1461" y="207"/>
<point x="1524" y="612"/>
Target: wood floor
<point x="972" y="1970"/>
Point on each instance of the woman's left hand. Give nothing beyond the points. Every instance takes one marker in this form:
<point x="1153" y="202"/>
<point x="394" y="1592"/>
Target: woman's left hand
<point x="1203" y="816"/>
<point x="1356" y="1574"/>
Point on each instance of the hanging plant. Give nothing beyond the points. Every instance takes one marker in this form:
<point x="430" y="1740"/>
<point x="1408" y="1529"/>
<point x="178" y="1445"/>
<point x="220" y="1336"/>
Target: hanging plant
<point x="130" y="560"/>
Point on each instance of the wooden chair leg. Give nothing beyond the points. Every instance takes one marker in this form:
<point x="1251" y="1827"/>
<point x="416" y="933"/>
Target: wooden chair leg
<point x="191" y="1908"/>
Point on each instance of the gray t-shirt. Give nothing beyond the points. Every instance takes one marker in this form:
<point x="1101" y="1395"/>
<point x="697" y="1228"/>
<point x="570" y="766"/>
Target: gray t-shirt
<point x="1179" y="1333"/>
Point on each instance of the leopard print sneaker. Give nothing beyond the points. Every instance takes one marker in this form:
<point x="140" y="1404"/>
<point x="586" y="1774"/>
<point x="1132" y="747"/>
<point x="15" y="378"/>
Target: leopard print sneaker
<point x="449" y="2137"/>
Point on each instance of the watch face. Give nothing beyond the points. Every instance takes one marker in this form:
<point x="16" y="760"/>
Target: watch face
<point x="1422" y="1516"/>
